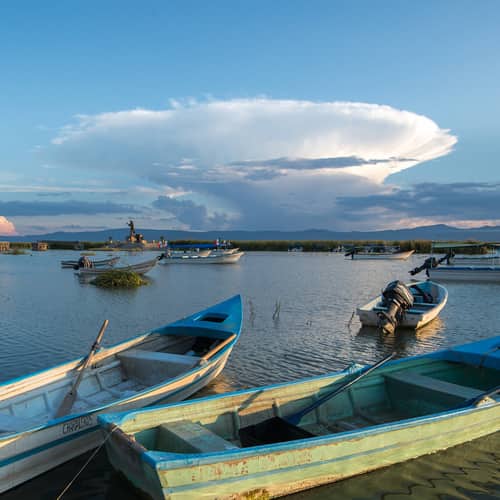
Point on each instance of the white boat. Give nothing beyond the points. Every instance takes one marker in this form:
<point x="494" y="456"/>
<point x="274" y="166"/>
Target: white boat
<point x="489" y="255"/>
<point x="378" y="253"/>
<point x="428" y="301"/>
<point x="450" y="267"/>
<point x="139" y="268"/>
<point x="209" y="259"/>
<point x="169" y="364"/>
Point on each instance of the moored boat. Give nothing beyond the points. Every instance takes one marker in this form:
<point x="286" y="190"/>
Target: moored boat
<point x="428" y="300"/>
<point x="220" y="447"/>
<point x="168" y="363"/>
<point x="70" y="264"/>
<point x="376" y="252"/>
<point x="212" y="258"/>
<point x="139" y="268"/>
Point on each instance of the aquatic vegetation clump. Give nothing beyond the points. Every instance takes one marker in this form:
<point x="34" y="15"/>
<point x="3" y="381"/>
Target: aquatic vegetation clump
<point x="118" y="279"/>
<point x="17" y="251"/>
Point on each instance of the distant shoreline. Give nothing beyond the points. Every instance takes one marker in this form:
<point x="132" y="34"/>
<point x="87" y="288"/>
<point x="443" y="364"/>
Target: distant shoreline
<point x="334" y="246"/>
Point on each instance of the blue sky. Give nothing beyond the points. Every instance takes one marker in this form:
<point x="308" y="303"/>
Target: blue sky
<point x="248" y="115"/>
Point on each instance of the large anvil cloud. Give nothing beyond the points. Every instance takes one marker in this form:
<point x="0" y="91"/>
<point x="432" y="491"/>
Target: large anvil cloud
<point x="260" y="148"/>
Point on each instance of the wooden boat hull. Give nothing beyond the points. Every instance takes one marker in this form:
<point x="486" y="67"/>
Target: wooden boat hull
<point x="273" y="470"/>
<point x="419" y="315"/>
<point x="231" y="258"/>
<point x="37" y="449"/>
<point x="70" y="264"/>
<point x="382" y="256"/>
<point x="140" y="268"/>
<point x="487" y="274"/>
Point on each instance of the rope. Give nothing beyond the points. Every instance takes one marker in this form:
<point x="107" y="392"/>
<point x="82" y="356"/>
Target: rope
<point x="94" y="453"/>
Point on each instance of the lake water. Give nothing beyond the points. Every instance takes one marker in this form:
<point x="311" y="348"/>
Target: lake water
<point x="298" y="322"/>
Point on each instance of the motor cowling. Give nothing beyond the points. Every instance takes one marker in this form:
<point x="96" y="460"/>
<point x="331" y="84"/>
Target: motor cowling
<point x="398" y="298"/>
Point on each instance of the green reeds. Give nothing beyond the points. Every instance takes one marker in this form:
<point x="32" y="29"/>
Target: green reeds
<point x="119" y="279"/>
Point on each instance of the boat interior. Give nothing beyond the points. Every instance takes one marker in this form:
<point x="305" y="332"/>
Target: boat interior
<point x="389" y="394"/>
<point x="425" y="296"/>
<point x="115" y="373"/>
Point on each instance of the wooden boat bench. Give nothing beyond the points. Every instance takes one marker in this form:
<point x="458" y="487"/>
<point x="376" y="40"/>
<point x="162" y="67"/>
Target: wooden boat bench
<point x="148" y="366"/>
<point x="425" y="390"/>
<point x="189" y="437"/>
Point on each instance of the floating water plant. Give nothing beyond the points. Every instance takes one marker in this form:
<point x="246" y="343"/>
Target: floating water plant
<point x="119" y="279"/>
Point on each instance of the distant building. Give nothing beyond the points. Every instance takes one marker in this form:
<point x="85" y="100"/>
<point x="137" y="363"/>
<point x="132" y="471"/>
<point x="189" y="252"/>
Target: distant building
<point x="4" y="246"/>
<point x="39" y="246"/>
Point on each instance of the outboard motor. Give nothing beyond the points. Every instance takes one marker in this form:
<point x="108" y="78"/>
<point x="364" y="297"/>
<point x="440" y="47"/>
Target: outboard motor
<point x="397" y="298"/>
<point x="431" y="263"/>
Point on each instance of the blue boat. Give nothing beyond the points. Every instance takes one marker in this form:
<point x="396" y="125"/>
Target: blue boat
<point x="40" y="427"/>
<point x="276" y="440"/>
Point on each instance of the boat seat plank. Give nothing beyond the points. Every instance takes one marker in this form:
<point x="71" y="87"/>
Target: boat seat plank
<point x="411" y="378"/>
<point x="167" y="357"/>
<point x="190" y="436"/>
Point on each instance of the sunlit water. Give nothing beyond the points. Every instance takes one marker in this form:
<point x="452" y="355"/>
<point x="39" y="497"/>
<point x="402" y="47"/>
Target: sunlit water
<point x="298" y="322"/>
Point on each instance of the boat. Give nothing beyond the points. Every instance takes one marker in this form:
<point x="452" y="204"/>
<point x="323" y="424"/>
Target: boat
<point x="468" y="268"/>
<point x="378" y="252"/>
<point x="71" y="264"/>
<point x="428" y="300"/>
<point x="168" y="363"/>
<point x="212" y="258"/>
<point x="272" y="441"/>
<point x="489" y="253"/>
<point x="139" y="268"/>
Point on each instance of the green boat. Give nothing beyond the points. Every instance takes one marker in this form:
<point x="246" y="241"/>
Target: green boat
<point x="275" y="440"/>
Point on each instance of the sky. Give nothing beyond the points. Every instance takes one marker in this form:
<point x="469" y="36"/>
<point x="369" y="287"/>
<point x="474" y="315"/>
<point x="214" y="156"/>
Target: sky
<point x="282" y="115"/>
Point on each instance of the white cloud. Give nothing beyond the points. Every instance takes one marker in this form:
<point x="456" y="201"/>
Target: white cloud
<point x="291" y="155"/>
<point x="7" y="228"/>
<point x="218" y="133"/>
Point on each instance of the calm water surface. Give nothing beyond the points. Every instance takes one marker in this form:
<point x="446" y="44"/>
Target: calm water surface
<point x="298" y="322"/>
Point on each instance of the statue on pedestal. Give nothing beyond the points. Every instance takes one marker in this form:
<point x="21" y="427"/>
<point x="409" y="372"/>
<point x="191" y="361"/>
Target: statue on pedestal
<point x="131" y="236"/>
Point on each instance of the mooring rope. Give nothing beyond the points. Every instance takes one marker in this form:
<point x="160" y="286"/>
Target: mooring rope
<point x="94" y="453"/>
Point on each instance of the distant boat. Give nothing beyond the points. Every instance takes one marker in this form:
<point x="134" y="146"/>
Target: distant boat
<point x="378" y="252"/>
<point x="272" y="441"/>
<point x="428" y="300"/>
<point x="139" y="268"/>
<point x="230" y="258"/>
<point x="95" y="263"/>
<point x="168" y="363"/>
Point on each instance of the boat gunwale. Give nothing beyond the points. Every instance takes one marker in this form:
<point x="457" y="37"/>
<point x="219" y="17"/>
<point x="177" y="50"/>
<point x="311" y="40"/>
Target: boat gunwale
<point x="161" y="459"/>
<point x="413" y="312"/>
